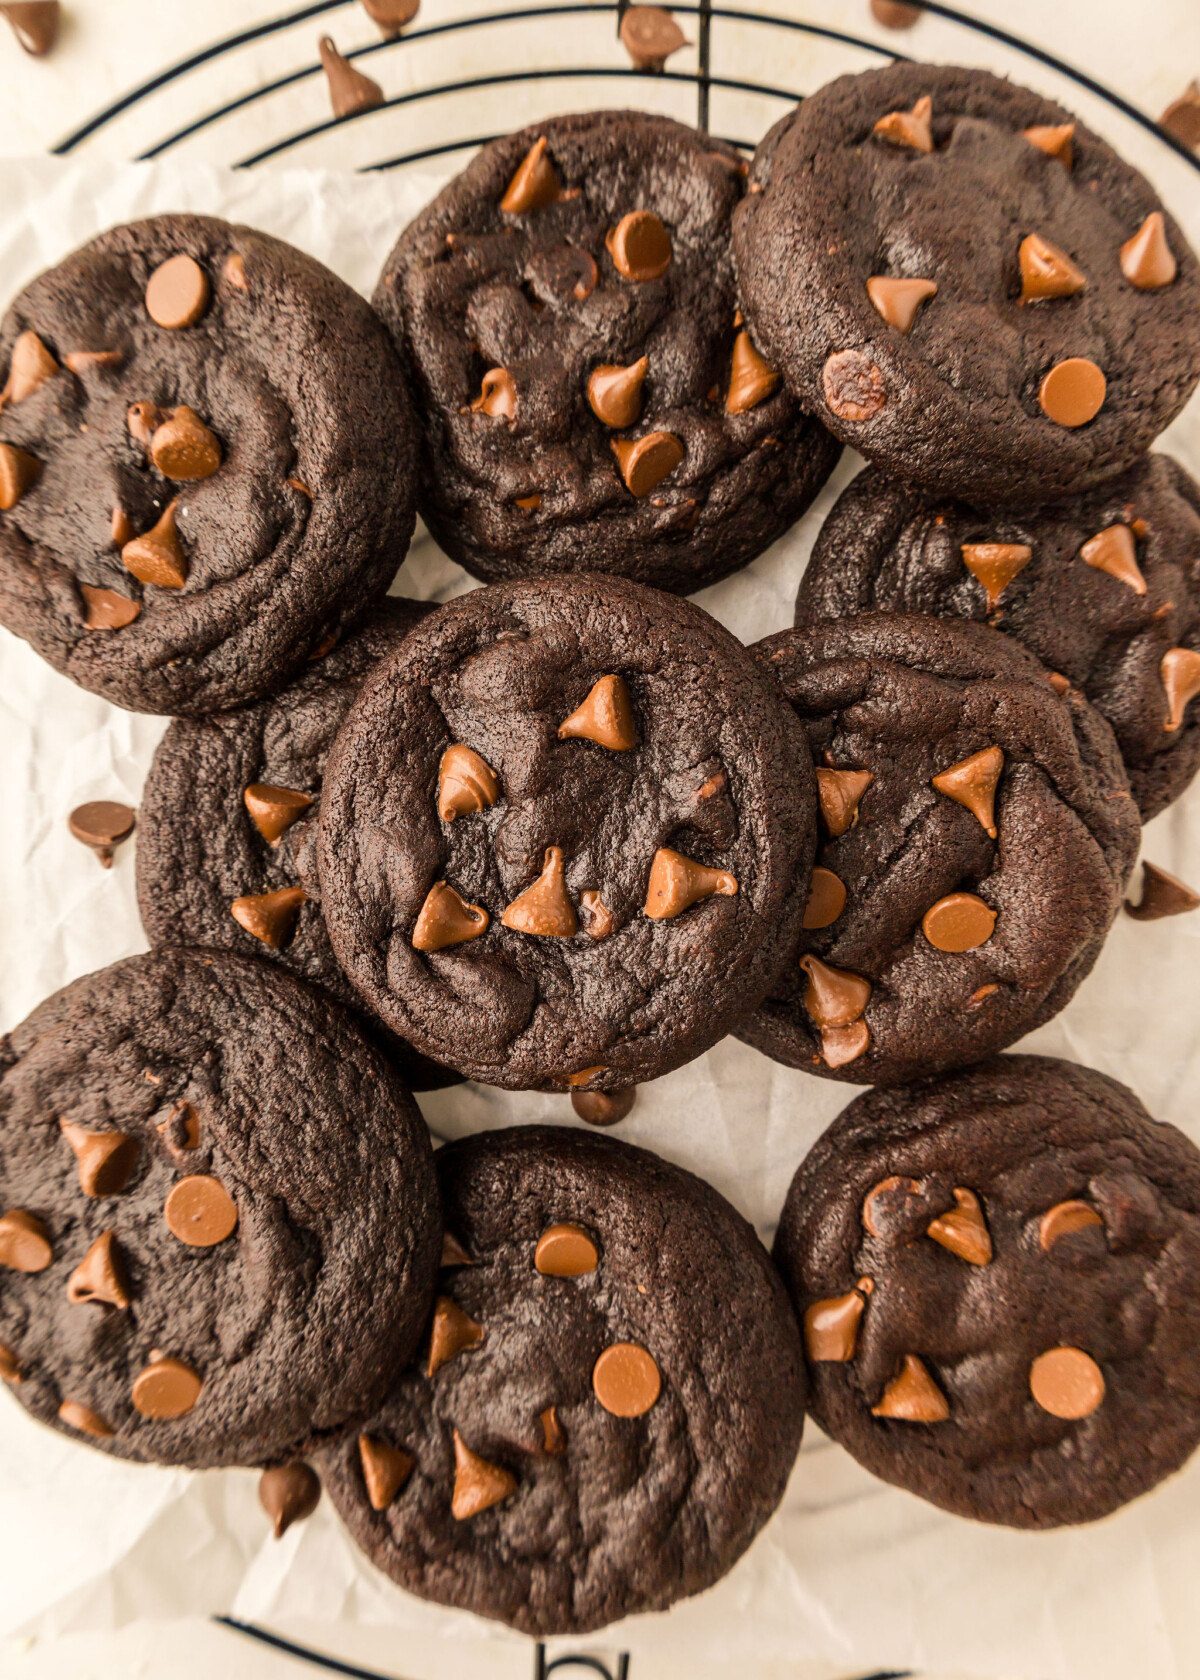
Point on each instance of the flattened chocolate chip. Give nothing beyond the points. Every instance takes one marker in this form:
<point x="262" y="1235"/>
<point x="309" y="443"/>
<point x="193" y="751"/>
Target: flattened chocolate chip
<point x="894" y="14"/>
<point x="78" y="1416"/>
<point x="1047" y="272"/>
<point x="273" y="810"/>
<point x="1067" y="1383"/>
<point x="888" y="1208"/>
<point x="497" y="396"/>
<point x="349" y="90"/>
<point x="677" y="882"/>
<point x="604" y="1108"/>
<point x="912" y="1396"/>
<point x="1147" y="260"/>
<point x="200" y="1211"/>
<point x="453" y="1252"/>
<point x="909" y="128"/>
<point x="34" y="23"/>
<point x="972" y="783"/>
<point x="650" y="35"/>
<point x="453" y="1332"/>
<point x="752" y="379"/>
<point x="604" y="716"/>
<point x="959" y="922"/>
<point x="545" y="909"/>
<point x="102" y="824"/>
<point x="166" y="1388"/>
<point x="106" y="1159"/>
<point x="100" y="1275"/>
<point x="644" y="463"/>
<point x="963" y="1230"/>
<point x="565" y="1250"/>
<point x="640" y="246"/>
<point x="104" y="609"/>
<point x="158" y="556"/>
<point x="466" y="783"/>
<point x="10" y="1369"/>
<point x="831" y="1328"/>
<point x="995" y="565"/>
<point x="1182" y="116"/>
<point x="478" y="1484"/>
<point x="899" y="300"/>
<point x="1114" y="551"/>
<point x="535" y="184"/>
<point x="615" y="393"/>
<point x="1180" y="671"/>
<point x="269" y="916"/>
<point x="1162" y="895"/>
<point x="183" y="448"/>
<point x="554" y="1436"/>
<point x="288" y="1495"/>
<point x="626" y="1380"/>
<point x="840" y="792"/>
<point x="30" y="366"/>
<point x="177" y="293"/>
<point x="1073" y="392"/>
<point x="1064" y="1219"/>
<point x="19" y="472"/>
<point x="391" y="15"/>
<point x="598" y="919"/>
<point x="562" y="272"/>
<point x="826" y="899"/>
<point x="1057" y="141"/>
<point x="385" y="1470"/>
<point x="834" y="997"/>
<point x="447" y="919"/>
<point x="853" y="385"/>
<point x="24" y="1245"/>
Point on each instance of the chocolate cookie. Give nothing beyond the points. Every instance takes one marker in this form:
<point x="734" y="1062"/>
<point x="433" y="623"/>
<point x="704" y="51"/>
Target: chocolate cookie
<point x="978" y="831"/>
<point x="999" y="1275"/>
<point x="227" y="831"/>
<point x="206" y="464"/>
<point x="222" y="1227"/>
<point x="609" y="1401"/>
<point x="1104" y="589"/>
<point x="591" y="396"/>
<point x="565" y="834"/>
<point x="967" y="284"/>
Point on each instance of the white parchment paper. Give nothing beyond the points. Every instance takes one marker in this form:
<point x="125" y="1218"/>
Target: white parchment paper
<point x="849" y="1571"/>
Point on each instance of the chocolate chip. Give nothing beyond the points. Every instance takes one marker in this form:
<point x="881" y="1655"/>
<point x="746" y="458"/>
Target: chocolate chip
<point x="647" y="461"/>
<point x="19" y="472"/>
<point x="605" y="716"/>
<point x="106" y="1159"/>
<point x="841" y="1045"/>
<point x="466" y="783"/>
<point x="385" y="1470"/>
<point x="177" y="293"/>
<point x="840" y="792"/>
<point x="84" y="361"/>
<point x="650" y="35"/>
<point x="963" y="1229"/>
<point x="100" y="1275"/>
<point x="447" y="919"/>
<point x="180" y="1131"/>
<point x="102" y="824"/>
<point x="677" y="882"/>
<point x="854" y="387"/>
<point x="158" y="556"/>
<point x="528" y="504"/>
<point x="831" y="1328"/>
<point x="1057" y="142"/>
<point x="640" y="246"/>
<point x="603" y="1108"/>
<point x="166" y="1388"/>
<point x="893" y="14"/>
<point x="273" y="810"/>
<point x="826" y="899"/>
<point x="29" y="367"/>
<point x="834" y="997"/>
<point x="453" y="1332"/>
<point x="995" y="565"/>
<point x="498" y="395"/>
<point x="562" y="272"/>
<point x="269" y="916"/>
<point x="909" y="128"/>
<point x="142" y="420"/>
<point x="34" y="23"/>
<point x="349" y="90"/>
<point x="10" y="1369"/>
<point x="1147" y="260"/>
<point x="959" y="922"/>
<point x="478" y="1484"/>
<point x="545" y="908"/>
<point x="200" y="1211"/>
<point x="1073" y="392"/>
<point x="554" y="1436"/>
<point x="1162" y="895"/>
<point x="535" y="184"/>
<point x="625" y="1380"/>
<point x="1064" y="1219"/>
<point x="615" y="393"/>
<point x="1180" y="672"/>
<point x="598" y="919"/>
<point x="183" y="448"/>
<point x="972" y="783"/>
<point x="1047" y="272"/>
<point x="78" y="1416"/>
<point x="391" y="15"/>
<point x="899" y="300"/>
<point x="912" y="1396"/>
<point x="1182" y="116"/>
<point x="453" y="1252"/>
<point x="752" y="379"/>
<point x="1113" y="551"/>
<point x="585" y="1075"/>
<point x="24" y="1245"/>
<point x="120" y="527"/>
<point x="233" y="272"/>
<point x="565" y="1250"/>
<point x="1067" y="1383"/>
<point x="104" y="609"/>
<point x="288" y="1495"/>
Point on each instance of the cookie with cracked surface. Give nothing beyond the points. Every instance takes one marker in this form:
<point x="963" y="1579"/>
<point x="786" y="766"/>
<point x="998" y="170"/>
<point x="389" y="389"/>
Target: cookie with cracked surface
<point x="591" y="397"/>
<point x="178" y="1289"/>
<point x="977" y="832"/>
<point x="998" y="1274"/>
<point x="966" y="284"/>
<point x="227" y="830"/>
<point x="1104" y="588"/>
<point x="565" y="834"/>
<point x="616" y="1398"/>
<point x="207" y="464"/>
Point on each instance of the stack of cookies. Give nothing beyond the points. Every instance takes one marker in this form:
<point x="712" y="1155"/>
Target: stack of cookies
<point x="566" y="832"/>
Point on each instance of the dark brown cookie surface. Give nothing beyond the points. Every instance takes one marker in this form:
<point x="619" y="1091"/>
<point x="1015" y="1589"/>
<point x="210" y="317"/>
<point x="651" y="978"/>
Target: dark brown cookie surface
<point x="966" y="284"/>
<point x="565" y="834"/>
<point x="206" y="464"/>
<point x="221" y="1219"/>
<point x="591" y="397"/>
<point x="616" y="1396"/>
<point x="976" y="834"/>
<point x="999" y="1273"/>
<point x="1103" y="588"/>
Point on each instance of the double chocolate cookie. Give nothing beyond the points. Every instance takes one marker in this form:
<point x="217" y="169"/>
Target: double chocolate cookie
<point x="221" y="1228"/>
<point x="591" y="396"/>
<point x="977" y="833"/>
<point x="1103" y="588"/>
<point x="967" y="284"/>
<point x="565" y="834"/>
<point x="226" y="848"/>
<point x="207" y="460"/>
<point x="999" y="1275"/>
<point x="609" y="1401"/>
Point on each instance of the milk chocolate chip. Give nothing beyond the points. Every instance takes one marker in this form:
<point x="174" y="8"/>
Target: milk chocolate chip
<point x="1114" y="551"/>
<point x="959" y="922"/>
<point x="909" y="128"/>
<point x="104" y="609"/>
<point x="831" y="1328"/>
<point x="995" y="565"/>
<point x="894" y="14"/>
<point x="833" y="997"/>
<point x="840" y="792"/>
<point x="826" y="899"/>
<point x="1182" y="116"/>
<point x="677" y="882"/>
<point x="535" y="184"/>
<point x="888" y="1208"/>
<point x="605" y="716"/>
<point x="899" y="300"/>
<point x="1047" y="272"/>
<point x="1064" y="1219"/>
<point x="645" y="462"/>
<point x="545" y="908"/>
<point x="497" y="395"/>
<point x="639" y="246"/>
<point x="106" y="1159"/>
<point x="269" y="916"/>
<point x="166" y="1388"/>
<point x="972" y="783"/>
<point x="1180" y="670"/>
<point x="565" y="1250"/>
<point x="81" y="362"/>
<point x="447" y="919"/>
<point x="30" y="366"/>
<point x="1162" y="895"/>
<point x="466" y="783"/>
<point x="158" y="556"/>
<point x="391" y="15"/>
<point x="615" y="393"/>
<point x="853" y="385"/>
<point x="34" y="23"/>
<point x="349" y="90"/>
<point x="200" y="1211"/>
<point x="840" y="1045"/>
<point x="963" y="1230"/>
<point x="78" y="1416"/>
<point x="598" y="919"/>
<point x="604" y="1108"/>
<point x="650" y="35"/>
<point x="554" y="1436"/>
<point x="183" y="448"/>
<point x="273" y="810"/>
<point x="453" y="1252"/>
<point x="1057" y="141"/>
<point x="177" y="293"/>
<point x="478" y="1484"/>
<point x="453" y="1332"/>
<point x="102" y="824"/>
<point x="385" y="1470"/>
<point x="24" y="1245"/>
<point x="288" y="1495"/>
<point x="100" y="1275"/>
<point x="19" y="472"/>
<point x="626" y="1381"/>
<point x="1067" y="1383"/>
<point x="1073" y="392"/>
<point x="912" y="1396"/>
<point x="752" y="379"/>
<point x="1147" y="260"/>
<point x="10" y="1369"/>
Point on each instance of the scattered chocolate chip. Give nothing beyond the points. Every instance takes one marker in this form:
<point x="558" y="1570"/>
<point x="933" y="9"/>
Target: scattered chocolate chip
<point x="647" y="461"/>
<point x="831" y="1328"/>
<point x="446" y="919"/>
<point x="1162" y="895"/>
<point x="29" y="367"/>
<point x="604" y="1108"/>
<point x="453" y="1252"/>
<point x="1057" y="142"/>
<point x="1073" y="392"/>
<point x="1147" y="260"/>
<point x="385" y="1470"/>
<point x="177" y="293"/>
<point x="34" y="23"/>
<point x="554" y="1436"/>
<point x="605" y="716"/>
<point x="19" y="472"/>
<point x="1064" y="1219"/>
<point x="391" y="15"/>
<point x="1067" y="1383"/>
<point x="963" y="1230"/>
<point x="453" y="1332"/>
<point x="477" y="1483"/>
<point x="834" y="997"/>
<point x="752" y="379"/>
<point x="615" y="393"/>
<point x="639" y="246"/>
<point x="545" y="908"/>
<point x="899" y="300"/>
<point x="24" y="1245"/>
<point x="269" y="916"/>
<point x="166" y="1388"/>
<point x="1182" y="116"/>
<point x="10" y="1369"/>
<point x="894" y="14"/>
<point x="288" y="1494"/>
<point x="598" y="919"/>
<point x="106" y="1159"/>
<point x="959" y="922"/>
<point x="677" y="882"/>
<point x="1047" y="272"/>
<point x="466" y="783"/>
<point x="1180" y="671"/>
<point x="158" y="556"/>
<point x="912" y="1396"/>
<point x="100" y="1275"/>
<point x="826" y="899"/>
<point x="233" y="272"/>
<point x="995" y="565"/>
<point x="909" y="128"/>
<point x="104" y="609"/>
<point x="183" y="449"/>
<point x="854" y="387"/>
<point x="78" y="1416"/>
<point x="840" y="1045"/>
<point x="840" y="792"/>
<point x="650" y="35"/>
<point x="83" y="361"/>
<point x="565" y="1250"/>
<point x="535" y="184"/>
<point x="498" y="395"/>
<point x="200" y="1211"/>
<point x="102" y="824"/>
<point x="1113" y="551"/>
<point x="972" y="783"/>
<point x="349" y="90"/>
<point x="626" y="1381"/>
<point x="273" y="810"/>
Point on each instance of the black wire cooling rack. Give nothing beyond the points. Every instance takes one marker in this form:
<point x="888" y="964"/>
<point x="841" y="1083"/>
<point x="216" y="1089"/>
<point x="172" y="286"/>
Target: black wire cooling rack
<point x="704" y="80"/>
